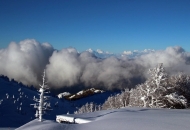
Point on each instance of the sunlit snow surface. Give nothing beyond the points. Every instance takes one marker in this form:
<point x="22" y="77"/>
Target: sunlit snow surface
<point x="122" y="119"/>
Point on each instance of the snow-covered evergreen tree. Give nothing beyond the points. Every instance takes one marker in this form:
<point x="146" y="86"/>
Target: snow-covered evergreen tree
<point x="41" y="105"/>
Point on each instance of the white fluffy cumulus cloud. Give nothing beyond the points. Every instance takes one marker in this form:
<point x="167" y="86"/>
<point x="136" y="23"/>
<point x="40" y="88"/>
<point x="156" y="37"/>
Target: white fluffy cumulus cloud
<point x="26" y="60"/>
<point x="70" y="68"/>
<point x="175" y="60"/>
<point x="64" y="68"/>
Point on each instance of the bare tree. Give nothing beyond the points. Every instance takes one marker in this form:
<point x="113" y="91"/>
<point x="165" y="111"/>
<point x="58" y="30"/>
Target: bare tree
<point x="162" y="91"/>
<point x="181" y="83"/>
<point x="153" y="90"/>
<point x="117" y="101"/>
<point x="174" y="100"/>
<point x="88" y="107"/>
<point x="124" y="98"/>
<point x="179" y="96"/>
<point x="110" y="103"/>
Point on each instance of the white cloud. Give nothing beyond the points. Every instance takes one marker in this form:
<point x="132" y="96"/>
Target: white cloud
<point x="26" y="60"/>
<point x="64" y="68"/>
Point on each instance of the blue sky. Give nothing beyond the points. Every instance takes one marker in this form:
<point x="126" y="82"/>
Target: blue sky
<point x="110" y="25"/>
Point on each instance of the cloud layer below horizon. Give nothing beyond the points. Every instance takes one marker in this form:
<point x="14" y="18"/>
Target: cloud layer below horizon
<point x="66" y="68"/>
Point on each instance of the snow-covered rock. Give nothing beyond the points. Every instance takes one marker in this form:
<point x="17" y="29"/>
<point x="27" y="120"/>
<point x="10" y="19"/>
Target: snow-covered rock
<point x="71" y="119"/>
<point x="84" y="93"/>
<point x="62" y="95"/>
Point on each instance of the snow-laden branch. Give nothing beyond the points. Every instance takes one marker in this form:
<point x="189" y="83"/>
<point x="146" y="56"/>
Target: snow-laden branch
<point x="42" y="106"/>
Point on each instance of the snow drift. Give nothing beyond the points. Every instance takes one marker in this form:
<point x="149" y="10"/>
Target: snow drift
<point x="123" y="119"/>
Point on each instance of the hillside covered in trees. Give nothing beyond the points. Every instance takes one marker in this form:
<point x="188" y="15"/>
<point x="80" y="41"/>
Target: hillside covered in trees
<point x="160" y="90"/>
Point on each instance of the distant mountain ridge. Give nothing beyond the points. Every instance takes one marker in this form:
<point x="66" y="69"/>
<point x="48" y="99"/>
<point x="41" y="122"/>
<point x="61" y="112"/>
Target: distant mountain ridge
<point x="129" y="54"/>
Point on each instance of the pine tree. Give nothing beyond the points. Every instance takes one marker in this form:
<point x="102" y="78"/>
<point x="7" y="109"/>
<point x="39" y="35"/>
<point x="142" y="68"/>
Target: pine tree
<point x="41" y="105"/>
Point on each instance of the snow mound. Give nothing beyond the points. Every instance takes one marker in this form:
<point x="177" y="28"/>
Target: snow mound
<point x="123" y="119"/>
<point x="45" y="125"/>
<point x="71" y="119"/>
<point x="62" y="95"/>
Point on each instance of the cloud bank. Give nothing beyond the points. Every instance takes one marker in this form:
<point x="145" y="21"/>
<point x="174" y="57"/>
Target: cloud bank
<point x="26" y="60"/>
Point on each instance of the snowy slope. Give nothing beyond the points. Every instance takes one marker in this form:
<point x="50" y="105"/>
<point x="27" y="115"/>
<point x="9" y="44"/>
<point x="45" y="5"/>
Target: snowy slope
<point x="16" y="100"/>
<point x="15" y="104"/>
<point x="122" y="119"/>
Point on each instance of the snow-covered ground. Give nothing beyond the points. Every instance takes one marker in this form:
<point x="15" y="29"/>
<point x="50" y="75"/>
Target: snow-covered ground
<point x="15" y="111"/>
<point x="15" y="104"/>
<point x="16" y="100"/>
<point x="122" y="119"/>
